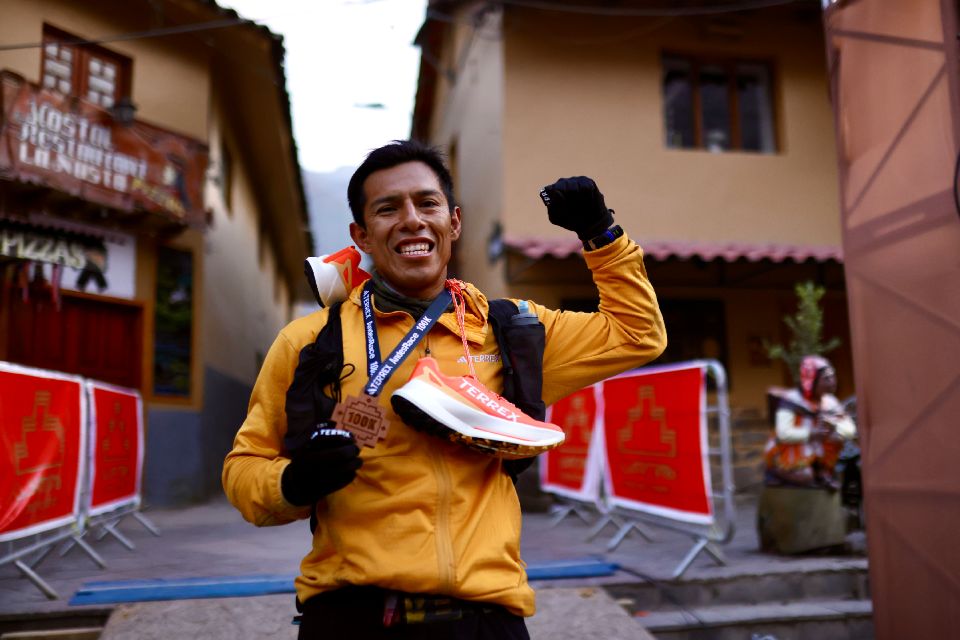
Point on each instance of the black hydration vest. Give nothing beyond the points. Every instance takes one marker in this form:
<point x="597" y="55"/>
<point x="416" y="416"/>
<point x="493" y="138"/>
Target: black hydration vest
<point x="520" y="337"/>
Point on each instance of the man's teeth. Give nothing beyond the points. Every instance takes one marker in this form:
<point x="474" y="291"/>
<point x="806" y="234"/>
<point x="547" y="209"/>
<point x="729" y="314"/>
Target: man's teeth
<point x="420" y="248"/>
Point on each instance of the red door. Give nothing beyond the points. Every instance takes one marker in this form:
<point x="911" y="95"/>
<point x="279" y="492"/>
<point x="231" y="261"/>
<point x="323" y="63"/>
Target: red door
<point x="88" y="336"/>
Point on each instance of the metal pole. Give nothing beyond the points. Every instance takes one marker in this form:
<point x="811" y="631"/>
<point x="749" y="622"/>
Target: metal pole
<point x="40" y="556"/>
<point x="148" y="524"/>
<point x="110" y="527"/>
<point x="601" y="525"/>
<point x="691" y="555"/>
<point x="624" y="531"/>
<point x="38" y="582"/>
<point x="86" y="548"/>
<point x="726" y="457"/>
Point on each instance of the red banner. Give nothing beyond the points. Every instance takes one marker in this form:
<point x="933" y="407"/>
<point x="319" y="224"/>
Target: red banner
<point x="571" y="469"/>
<point x="656" y="443"/>
<point x="117" y="447"/>
<point x="42" y="438"/>
<point x="70" y="145"/>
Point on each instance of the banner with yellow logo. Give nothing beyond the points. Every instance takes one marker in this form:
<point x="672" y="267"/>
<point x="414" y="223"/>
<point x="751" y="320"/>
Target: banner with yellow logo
<point x="116" y="456"/>
<point x="655" y="443"/>
<point x="42" y="441"/>
<point x="572" y="470"/>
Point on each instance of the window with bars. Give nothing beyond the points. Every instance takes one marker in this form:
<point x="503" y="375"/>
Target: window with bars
<point x="718" y="105"/>
<point x="89" y="71"/>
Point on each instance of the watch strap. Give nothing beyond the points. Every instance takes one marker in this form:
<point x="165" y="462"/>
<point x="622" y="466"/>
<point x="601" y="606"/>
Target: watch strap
<point x="603" y="239"/>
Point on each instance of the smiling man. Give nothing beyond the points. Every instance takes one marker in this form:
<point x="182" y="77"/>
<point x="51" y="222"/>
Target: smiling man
<point x="408" y="226"/>
<point x="417" y="536"/>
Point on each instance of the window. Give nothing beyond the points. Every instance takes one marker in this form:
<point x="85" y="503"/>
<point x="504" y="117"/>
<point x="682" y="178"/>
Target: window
<point x="89" y="71"/>
<point x="173" y="323"/>
<point x="695" y="329"/>
<point x="717" y="105"/>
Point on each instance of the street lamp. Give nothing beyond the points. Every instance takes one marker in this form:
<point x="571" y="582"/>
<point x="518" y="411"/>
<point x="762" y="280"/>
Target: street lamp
<point x="124" y="111"/>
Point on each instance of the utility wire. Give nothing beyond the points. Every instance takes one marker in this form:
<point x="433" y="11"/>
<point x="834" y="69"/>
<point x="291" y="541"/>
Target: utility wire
<point x="651" y="12"/>
<point x="137" y="35"/>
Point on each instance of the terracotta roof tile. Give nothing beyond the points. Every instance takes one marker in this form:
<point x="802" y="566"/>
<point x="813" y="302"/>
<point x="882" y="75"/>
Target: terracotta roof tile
<point x="535" y="247"/>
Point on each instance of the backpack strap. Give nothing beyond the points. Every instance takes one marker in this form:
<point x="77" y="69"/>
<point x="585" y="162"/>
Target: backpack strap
<point x="521" y="338"/>
<point x="315" y="392"/>
<point x="501" y="310"/>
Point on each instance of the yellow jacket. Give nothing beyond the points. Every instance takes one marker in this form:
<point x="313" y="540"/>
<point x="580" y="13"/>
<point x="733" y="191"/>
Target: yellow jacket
<point x="425" y="515"/>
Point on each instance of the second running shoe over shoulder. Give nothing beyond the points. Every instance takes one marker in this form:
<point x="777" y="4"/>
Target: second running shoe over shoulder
<point x="463" y="410"/>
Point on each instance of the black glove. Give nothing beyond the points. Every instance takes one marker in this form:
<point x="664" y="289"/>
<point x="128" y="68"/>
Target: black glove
<point x="327" y="463"/>
<point x="577" y="204"/>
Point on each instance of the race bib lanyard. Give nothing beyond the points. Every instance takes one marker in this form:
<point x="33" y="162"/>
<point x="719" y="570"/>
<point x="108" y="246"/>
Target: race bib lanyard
<point x="363" y="416"/>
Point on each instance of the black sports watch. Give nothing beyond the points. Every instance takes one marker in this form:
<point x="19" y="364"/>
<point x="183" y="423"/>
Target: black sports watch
<point x="603" y="239"/>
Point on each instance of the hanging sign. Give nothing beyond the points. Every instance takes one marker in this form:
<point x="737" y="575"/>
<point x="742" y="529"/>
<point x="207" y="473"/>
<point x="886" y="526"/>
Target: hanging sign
<point x="573" y="469"/>
<point x="42" y="440"/>
<point x="68" y="144"/>
<point x="655" y="443"/>
<point x="116" y="452"/>
<point x="25" y="242"/>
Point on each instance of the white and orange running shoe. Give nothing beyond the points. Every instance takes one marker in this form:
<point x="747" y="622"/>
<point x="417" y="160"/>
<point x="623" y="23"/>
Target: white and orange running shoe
<point x="463" y="410"/>
<point x="332" y="277"/>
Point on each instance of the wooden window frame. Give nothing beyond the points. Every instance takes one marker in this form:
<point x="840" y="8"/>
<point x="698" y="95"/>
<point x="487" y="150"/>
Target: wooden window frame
<point x="729" y="66"/>
<point x="80" y="79"/>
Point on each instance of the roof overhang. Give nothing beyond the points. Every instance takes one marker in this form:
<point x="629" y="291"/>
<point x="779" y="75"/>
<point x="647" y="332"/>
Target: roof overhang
<point x="536" y="248"/>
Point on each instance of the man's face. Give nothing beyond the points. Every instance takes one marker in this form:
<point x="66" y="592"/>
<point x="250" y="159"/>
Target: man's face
<point x="409" y="228"/>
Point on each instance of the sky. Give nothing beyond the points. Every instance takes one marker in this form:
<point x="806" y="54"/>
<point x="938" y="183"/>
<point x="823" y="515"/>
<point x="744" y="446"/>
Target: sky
<point x="342" y="57"/>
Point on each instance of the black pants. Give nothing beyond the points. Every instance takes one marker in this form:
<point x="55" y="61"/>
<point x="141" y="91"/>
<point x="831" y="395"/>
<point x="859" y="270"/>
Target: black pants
<point x="356" y="613"/>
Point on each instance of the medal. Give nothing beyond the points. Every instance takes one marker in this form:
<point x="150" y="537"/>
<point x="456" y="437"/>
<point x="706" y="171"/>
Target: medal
<point x="363" y="417"/>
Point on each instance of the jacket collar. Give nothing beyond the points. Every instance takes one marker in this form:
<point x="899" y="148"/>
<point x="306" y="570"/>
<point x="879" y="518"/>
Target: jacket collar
<point x="475" y="317"/>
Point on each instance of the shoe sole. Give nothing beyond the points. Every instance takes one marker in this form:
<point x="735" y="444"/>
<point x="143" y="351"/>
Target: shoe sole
<point x="421" y="406"/>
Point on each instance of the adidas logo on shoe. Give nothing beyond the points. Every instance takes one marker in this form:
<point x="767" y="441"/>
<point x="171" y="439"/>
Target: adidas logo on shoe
<point x="463" y="410"/>
<point x="333" y="277"/>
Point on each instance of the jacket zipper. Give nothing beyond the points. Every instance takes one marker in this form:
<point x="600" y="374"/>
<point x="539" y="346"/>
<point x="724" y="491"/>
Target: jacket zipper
<point x="445" y="558"/>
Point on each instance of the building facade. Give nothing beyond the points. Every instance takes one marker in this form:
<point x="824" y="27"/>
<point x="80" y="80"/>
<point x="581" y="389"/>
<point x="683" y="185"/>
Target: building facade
<point x="709" y="134"/>
<point x="152" y="217"/>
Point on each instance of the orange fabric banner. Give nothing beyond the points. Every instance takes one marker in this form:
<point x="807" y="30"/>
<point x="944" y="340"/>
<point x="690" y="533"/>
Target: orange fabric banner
<point x="655" y="443"/>
<point x="42" y="440"/>
<point x="117" y="447"/>
<point x="570" y="469"/>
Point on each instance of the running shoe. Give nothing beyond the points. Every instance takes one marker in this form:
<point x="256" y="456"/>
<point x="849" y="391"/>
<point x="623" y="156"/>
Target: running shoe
<point x="463" y="410"/>
<point x="332" y="277"/>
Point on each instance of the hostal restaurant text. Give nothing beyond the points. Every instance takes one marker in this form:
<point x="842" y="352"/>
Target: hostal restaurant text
<point x="56" y="141"/>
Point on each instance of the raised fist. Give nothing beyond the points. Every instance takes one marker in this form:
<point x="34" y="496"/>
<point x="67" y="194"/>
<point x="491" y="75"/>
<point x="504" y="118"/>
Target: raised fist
<point x="577" y="204"/>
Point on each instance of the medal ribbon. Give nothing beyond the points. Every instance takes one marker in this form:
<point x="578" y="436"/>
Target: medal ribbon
<point x="456" y="288"/>
<point x="379" y="372"/>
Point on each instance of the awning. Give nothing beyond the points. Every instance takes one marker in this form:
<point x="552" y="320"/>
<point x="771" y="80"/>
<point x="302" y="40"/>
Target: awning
<point x="536" y="248"/>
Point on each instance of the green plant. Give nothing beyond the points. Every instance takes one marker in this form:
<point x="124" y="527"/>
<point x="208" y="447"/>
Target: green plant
<point x="806" y="325"/>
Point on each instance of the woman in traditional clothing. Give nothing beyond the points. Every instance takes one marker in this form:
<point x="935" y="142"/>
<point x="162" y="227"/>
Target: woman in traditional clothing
<point x="810" y="428"/>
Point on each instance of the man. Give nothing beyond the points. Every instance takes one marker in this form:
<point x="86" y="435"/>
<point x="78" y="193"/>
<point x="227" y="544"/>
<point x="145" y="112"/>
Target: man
<point x="416" y="514"/>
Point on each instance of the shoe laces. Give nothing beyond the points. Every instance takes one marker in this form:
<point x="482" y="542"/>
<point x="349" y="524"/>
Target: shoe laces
<point x="456" y="288"/>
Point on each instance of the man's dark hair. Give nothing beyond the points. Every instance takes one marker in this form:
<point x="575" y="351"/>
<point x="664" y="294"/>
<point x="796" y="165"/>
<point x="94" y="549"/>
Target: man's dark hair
<point x="388" y="156"/>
